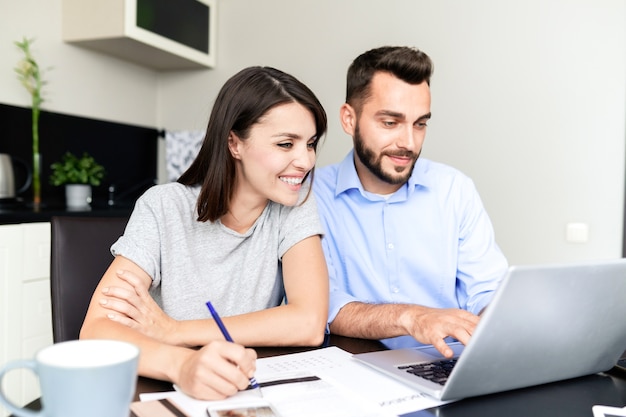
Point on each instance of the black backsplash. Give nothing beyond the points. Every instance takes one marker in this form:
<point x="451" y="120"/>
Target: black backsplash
<point x="127" y="152"/>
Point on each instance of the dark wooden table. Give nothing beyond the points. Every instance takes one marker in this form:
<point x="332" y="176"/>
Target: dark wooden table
<point x="570" y="398"/>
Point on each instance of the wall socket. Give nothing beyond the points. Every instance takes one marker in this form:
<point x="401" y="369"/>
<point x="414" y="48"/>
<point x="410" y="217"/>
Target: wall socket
<point x="577" y="232"/>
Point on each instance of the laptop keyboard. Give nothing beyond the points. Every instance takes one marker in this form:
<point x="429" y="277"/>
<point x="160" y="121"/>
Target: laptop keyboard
<point x="436" y="372"/>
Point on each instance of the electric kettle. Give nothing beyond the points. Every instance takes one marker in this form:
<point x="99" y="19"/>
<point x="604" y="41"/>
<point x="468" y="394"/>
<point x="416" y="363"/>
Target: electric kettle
<point x="7" y="177"/>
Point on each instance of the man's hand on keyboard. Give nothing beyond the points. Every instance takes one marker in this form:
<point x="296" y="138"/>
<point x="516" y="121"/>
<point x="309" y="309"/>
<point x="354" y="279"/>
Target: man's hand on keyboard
<point x="433" y="325"/>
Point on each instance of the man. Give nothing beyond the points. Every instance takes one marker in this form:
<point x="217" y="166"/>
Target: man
<point x="410" y="249"/>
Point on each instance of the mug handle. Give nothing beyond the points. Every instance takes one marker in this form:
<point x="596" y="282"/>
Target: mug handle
<point x="14" y="409"/>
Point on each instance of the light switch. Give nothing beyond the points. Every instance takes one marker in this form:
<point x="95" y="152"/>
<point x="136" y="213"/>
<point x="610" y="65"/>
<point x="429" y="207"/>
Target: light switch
<point x="577" y="232"/>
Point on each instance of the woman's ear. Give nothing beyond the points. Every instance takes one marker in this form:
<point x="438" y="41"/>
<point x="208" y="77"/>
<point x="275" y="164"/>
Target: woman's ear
<point x="234" y="144"/>
<point x="347" y="116"/>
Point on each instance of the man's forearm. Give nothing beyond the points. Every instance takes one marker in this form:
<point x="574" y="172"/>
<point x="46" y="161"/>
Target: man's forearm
<point x="371" y="321"/>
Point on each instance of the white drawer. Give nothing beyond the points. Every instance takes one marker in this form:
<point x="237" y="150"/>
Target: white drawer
<point x="36" y="308"/>
<point x="36" y="251"/>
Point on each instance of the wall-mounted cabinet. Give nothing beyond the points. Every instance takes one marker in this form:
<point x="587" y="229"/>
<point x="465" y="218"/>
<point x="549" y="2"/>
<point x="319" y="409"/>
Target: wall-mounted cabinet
<point x="160" y="34"/>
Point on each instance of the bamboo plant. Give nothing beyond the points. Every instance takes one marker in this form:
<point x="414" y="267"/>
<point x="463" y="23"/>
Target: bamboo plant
<point x="29" y="75"/>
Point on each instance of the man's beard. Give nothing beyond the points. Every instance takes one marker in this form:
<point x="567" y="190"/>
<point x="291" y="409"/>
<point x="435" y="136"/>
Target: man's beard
<point x="373" y="162"/>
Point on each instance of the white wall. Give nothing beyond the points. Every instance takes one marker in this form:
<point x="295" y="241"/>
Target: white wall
<point x="529" y="97"/>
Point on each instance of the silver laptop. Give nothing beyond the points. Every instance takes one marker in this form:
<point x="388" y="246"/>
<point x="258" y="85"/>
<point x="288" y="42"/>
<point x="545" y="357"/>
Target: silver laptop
<point x="545" y="323"/>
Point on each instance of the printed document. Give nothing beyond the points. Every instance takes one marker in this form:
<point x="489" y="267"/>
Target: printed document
<point x="318" y="383"/>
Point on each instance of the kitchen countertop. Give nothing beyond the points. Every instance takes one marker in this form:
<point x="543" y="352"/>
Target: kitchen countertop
<point x="22" y="213"/>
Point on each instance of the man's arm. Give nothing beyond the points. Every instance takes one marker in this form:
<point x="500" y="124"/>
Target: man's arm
<point x="427" y="325"/>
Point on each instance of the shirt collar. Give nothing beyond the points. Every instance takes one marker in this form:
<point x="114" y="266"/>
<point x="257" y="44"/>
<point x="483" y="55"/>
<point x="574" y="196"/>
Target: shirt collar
<point x="347" y="177"/>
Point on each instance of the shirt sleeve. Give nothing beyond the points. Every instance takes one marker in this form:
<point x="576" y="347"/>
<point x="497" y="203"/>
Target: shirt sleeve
<point x="141" y="240"/>
<point x="339" y="296"/>
<point x="481" y="263"/>
<point x="301" y="221"/>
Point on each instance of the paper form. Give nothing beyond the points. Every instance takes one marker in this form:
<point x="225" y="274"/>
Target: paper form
<point x="345" y="388"/>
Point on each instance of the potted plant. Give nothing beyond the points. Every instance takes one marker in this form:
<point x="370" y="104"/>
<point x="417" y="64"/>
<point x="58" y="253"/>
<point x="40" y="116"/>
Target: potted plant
<point x="78" y="175"/>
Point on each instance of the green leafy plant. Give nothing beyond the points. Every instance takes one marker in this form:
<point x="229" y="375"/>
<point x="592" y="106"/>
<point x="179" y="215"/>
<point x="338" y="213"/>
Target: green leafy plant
<point x="29" y="74"/>
<point x="74" y="170"/>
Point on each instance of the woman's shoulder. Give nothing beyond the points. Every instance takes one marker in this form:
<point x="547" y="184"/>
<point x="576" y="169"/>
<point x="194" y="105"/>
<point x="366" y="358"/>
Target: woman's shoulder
<point x="170" y="188"/>
<point x="170" y="193"/>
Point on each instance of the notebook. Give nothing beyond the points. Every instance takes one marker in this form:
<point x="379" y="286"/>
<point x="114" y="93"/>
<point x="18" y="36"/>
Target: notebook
<point x="545" y="323"/>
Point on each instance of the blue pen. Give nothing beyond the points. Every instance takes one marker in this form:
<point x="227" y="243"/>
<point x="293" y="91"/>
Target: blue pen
<point x="220" y="324"/>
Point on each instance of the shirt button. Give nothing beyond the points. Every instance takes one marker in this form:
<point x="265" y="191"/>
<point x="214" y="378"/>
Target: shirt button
<point x="395" y="290"/>
<point x="390" y="246"/>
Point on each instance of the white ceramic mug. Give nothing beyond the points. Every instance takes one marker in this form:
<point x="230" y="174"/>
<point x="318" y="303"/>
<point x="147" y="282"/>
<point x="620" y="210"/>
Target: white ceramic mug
<point x="81" y="378"/>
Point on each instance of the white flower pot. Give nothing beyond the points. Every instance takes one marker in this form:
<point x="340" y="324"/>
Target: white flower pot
<point x="78" y="196"/>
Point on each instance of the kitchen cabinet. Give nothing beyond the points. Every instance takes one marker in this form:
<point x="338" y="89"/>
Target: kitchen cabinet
<point x="161" y="34"/>
<point x="25" y="308"/>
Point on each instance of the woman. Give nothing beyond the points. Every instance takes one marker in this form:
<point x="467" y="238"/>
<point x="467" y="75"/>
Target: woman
<point x="239" y="229"/>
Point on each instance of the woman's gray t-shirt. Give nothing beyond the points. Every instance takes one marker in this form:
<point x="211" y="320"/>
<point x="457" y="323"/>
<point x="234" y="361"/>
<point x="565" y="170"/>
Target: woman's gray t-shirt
<point x="193" y="262"/>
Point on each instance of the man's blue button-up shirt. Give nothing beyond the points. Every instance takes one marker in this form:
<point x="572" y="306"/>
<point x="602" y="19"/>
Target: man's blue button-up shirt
<point x="430" y="243"/>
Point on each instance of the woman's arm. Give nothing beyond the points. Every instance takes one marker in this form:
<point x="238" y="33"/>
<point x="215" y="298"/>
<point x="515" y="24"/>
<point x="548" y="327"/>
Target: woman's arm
<point x="300" y="322"/>
<point x="215" y="371"/>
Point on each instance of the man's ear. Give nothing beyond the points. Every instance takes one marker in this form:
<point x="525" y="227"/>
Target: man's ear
<point x="234" y="143"/>
<point x="347" y="116"/>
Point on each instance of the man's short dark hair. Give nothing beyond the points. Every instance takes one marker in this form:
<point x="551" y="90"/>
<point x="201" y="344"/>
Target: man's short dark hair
<point x="408" y="64"/>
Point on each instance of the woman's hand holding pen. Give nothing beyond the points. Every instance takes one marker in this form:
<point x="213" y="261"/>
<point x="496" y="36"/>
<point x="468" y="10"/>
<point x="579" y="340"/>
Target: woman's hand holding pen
<point x="216" y="371"/>
<point x="138" y="310"/>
